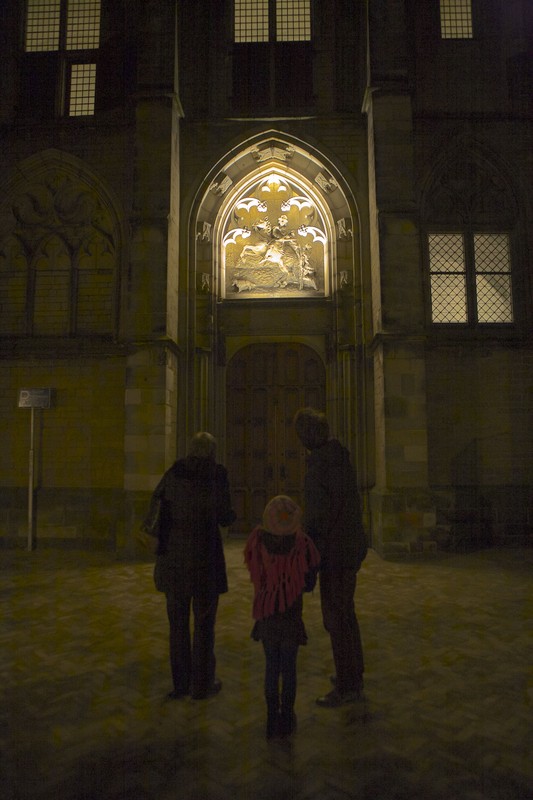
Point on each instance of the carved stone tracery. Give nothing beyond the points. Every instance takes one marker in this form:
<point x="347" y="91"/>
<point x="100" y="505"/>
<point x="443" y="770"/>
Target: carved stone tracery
<point x="465" y="191"/>
<point x="58" y="225"/>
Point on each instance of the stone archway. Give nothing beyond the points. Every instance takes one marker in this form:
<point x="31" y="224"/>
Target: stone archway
<point x="240" y="190"/>
<point x="324" y="311"/>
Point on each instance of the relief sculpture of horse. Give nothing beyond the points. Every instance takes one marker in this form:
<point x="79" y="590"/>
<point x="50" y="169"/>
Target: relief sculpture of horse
<point x="255" y="252"/>
<point x="273" y="263"/>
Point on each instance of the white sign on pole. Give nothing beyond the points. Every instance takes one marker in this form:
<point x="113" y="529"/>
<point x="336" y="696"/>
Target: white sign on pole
<point x="32" y="399"/>
<point x="35" y="398"/>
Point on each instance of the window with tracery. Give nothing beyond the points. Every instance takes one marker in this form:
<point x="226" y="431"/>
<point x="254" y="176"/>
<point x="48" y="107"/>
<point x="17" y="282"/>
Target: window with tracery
<point x="61" y="43"/>
<point x="58" y="263"/>
<point x="470" y="217"/>
<point x="274" y="241"/>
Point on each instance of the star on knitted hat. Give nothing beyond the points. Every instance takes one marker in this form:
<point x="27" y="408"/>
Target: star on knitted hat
<point x="282" y="516"/>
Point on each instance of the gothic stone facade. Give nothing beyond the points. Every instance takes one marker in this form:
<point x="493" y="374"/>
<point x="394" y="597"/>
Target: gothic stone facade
<point x="208" y="221"/>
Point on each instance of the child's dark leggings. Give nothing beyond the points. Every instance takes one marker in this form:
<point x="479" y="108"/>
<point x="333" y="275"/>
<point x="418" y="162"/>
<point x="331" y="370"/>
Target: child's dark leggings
<point x="280" y="662"/>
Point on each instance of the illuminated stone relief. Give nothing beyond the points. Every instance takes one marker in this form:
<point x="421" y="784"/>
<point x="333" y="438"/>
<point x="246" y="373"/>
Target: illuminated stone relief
<point x="274" y="243"/>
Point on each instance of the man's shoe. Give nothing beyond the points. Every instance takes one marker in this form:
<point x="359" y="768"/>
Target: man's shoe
<point x="333" y="679"/>
<point x="334" y="699"/>
<point x="211" y="692"/>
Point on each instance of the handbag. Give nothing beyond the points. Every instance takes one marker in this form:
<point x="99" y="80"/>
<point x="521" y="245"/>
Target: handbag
<point x="150" y="530"/>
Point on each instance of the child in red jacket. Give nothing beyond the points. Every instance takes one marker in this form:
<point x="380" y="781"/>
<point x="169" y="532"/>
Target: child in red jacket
<point x="283" y="563"/>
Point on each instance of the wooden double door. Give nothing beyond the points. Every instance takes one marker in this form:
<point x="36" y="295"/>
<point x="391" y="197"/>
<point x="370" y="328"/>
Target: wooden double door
<point x="266" y="384"/>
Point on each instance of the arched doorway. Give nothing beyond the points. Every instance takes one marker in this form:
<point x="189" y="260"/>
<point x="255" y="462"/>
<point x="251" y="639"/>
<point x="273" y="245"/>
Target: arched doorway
<point x="265" y="385"/>
<point x="275" y="260"/>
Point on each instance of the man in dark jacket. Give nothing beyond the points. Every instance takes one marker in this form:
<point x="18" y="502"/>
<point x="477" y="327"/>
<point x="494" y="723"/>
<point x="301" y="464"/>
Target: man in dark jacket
<point x="333" y="521"/>
<point x="192" y="500"/>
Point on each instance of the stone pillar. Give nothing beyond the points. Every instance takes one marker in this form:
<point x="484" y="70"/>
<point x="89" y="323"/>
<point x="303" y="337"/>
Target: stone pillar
<point x="150" y="430"/>
<point x="150" y="320"/>
<point x="401" y="504"/>
<point x="402" y="511"/>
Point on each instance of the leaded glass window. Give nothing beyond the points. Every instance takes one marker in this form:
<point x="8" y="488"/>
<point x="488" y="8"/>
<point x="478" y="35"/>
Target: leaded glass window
<point x="71" y="28"/>
<point x="272" y="60"/>
<point x="83" y="24"/>
<point x="448" y="277"/>
<point x="456" y="19"/>
<point x="470" y="278"/>
<point x="82" y="89"/>
<point x="293" y="21"/>
<point x="266" y="20"/>
<point x="251" y="21"/>
<point x="493" y="277"/>
<point x="42" y="25"/>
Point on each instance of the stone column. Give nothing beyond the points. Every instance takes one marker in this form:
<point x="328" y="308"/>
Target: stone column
<point x="150" y="430"/>
<point x="401" y="505"/>
<point x="150" y="310"/>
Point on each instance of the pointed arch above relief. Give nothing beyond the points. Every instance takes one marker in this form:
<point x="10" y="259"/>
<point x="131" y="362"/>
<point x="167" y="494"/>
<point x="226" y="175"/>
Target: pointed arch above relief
<point x="467" y="185"/>
<point x="269" y="223"/>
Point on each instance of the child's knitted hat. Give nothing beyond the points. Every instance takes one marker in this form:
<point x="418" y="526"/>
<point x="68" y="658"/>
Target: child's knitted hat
<point x="282" y="516"/>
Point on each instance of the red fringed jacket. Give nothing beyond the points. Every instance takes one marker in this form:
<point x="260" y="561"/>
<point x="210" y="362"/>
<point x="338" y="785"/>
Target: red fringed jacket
<point x="281" y="569"/>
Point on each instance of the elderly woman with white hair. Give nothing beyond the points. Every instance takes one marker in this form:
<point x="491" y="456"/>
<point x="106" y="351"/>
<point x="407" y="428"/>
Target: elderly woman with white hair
<point x="189" y="504"/>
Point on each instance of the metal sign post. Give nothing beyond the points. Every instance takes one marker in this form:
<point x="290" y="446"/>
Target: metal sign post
<point x="32" y="399"/>
<point x="31" y="480"/>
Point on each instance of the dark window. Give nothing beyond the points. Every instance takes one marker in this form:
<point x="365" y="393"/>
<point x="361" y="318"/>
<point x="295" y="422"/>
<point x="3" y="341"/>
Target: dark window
<point x="272" y="55"/>
<point x="61" y="44"/>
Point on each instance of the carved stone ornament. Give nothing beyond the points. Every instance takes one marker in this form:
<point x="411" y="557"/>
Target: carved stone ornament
<point x="204" y="235"/>
<point x="342" y="231"/>
<point x="205" y="282"/>
<point x="344" y="279"/>
<point x="221" y="186"/>
<point x="328" y="184"/>
<point x="266" y="153"/>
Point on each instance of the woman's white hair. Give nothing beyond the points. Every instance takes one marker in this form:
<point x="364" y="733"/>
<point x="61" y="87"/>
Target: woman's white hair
<point x="202" y="445"/>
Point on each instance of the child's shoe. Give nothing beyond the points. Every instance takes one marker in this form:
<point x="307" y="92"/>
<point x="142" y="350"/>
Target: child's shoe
<point x="287" y="722"/>
<point x="273" y="724"/>
<point x="273" y="718"/>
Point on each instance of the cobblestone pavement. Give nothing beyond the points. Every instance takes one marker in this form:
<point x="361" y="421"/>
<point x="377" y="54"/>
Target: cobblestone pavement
<point x="84" y="673"/>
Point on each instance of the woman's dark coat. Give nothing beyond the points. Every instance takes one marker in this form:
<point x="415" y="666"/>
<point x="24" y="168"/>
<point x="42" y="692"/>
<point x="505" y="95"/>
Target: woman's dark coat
<point x="195" y="500"/>
<point x="333" y="508"/>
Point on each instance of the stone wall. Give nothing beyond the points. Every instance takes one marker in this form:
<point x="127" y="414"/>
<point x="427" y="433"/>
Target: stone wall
<point x="78" y="450"/>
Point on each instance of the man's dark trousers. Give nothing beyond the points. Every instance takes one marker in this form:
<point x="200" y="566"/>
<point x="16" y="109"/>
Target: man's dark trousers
<point x="337" y="589"/>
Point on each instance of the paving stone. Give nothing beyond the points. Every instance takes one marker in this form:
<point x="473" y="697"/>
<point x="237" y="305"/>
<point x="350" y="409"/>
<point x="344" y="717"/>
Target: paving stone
<point x="84" y="674"/>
